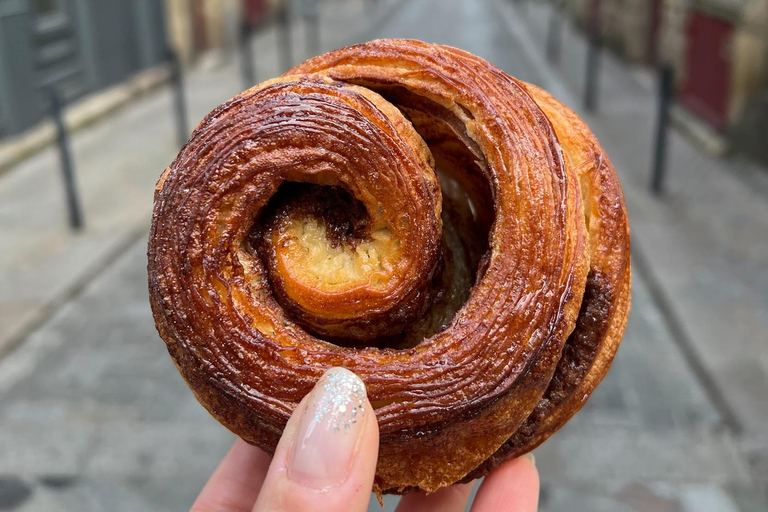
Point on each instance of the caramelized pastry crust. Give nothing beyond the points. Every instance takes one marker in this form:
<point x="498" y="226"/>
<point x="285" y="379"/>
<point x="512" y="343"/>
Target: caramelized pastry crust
<point x="455" y="237"/>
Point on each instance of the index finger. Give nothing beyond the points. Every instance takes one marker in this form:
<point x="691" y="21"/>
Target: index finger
<point x="512" y="487"/>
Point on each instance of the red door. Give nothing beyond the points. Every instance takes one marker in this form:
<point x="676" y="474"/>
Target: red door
<point x="708" y="75"/>
<point x="253" y="11"/>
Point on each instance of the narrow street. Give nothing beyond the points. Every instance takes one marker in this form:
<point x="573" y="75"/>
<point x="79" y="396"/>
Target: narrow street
<point x="94" y="416"/>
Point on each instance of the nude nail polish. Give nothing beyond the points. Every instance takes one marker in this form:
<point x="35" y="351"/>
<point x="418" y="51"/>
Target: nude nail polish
<point x="329" y="429"/>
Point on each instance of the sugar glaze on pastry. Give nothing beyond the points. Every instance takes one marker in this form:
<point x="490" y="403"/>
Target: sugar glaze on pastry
<point x="455" y="237"/>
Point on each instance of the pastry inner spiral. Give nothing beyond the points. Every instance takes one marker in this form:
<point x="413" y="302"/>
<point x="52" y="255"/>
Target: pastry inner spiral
<point x="324" y="244"/>
<point x="320" y="237"/>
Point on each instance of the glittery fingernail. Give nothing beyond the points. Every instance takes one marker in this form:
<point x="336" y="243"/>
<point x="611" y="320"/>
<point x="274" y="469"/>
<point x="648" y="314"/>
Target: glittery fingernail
<point x="328" y="432"/>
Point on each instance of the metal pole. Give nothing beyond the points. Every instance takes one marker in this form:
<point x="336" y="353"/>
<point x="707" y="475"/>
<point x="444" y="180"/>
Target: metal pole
<point x="284" y="38"/>
<point x="593" y="59"/>
<point x="179" y="102"/>
<point x="666" y="99"/>
<point x="554" y="35"/>
<point x="246" y="56"/>
<point x="67" y="169"/>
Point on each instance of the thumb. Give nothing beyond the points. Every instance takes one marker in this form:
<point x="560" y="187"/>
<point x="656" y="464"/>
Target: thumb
<point x="326" y="459"/>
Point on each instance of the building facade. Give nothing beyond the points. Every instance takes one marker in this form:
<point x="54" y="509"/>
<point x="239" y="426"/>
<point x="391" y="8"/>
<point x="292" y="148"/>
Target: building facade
<point x="199" y="26"/>
<point x="718" y="48"/>
<point x="82" y="46"/>
<point x="629" y="27"/>
<point x="76" y="46"/>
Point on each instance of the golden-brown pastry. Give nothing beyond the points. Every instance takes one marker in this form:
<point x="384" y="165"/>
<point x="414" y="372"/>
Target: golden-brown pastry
<point x="455" y="237"/>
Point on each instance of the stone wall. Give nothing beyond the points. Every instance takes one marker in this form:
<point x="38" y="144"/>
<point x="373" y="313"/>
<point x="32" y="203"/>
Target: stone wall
<point x="628" y="22"/>
<point x="625" y="24"/>
<point x="750" y="58"/>
<point x="749" y="101"/>
<point x="748" y="54"/>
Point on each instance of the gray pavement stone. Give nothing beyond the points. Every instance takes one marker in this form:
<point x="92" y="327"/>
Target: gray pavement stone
<point x="95" y="493"/>
<point x="13" y="492"/>
<point x="130" y="450"/>
<point x="747" y="499"/>
<point x="643" y="499"/>
<point x="38" y="448"/>
<point x="609" y="457"/>
<point x="706" y="498"/>
<point x="566" y="499"/>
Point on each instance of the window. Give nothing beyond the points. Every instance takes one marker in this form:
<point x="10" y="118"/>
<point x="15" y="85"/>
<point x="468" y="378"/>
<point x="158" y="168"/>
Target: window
<point x="50" y="16"/>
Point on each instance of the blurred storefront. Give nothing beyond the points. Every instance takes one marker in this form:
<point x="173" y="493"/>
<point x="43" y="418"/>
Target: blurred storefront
<point x="77" y="46"/>
<point x="198" y="26"/>
<point x="721" y="59"/>
<point x="719" y="49"/>
<point x="82" y="46"/>
<point x="629" y="27"/>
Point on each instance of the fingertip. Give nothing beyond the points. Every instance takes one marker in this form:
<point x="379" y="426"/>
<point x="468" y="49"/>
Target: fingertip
<point x="512" y="487"/>
<point x="326" y="458"/>
<point x="369" y="441"/>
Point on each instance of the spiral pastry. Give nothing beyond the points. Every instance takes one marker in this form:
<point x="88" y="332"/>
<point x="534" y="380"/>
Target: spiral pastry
<point x="455" y="237"/>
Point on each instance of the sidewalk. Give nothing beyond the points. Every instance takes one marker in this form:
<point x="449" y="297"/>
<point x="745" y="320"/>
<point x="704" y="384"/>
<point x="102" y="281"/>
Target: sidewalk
<point x="703" y="245"/>
<point x="118" y="160"/>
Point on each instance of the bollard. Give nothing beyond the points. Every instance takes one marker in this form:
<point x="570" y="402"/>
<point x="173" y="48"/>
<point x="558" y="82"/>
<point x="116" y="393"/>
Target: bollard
<point x="284" y="37"/>
<point x="67" y="169"/>
<point x="593" y="59"/>
<point x="554" y="35"/>
<point x="247" y="66"/>
<point x="666" y="99"/>
<point x="179" y="102"/>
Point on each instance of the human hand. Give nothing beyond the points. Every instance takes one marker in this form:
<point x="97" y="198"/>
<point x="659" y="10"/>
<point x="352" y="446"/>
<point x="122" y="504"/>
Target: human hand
<point x="326" y="460"/>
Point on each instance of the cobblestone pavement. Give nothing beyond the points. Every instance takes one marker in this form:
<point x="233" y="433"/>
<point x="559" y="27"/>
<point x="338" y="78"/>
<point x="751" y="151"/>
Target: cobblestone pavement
<point x="93" y="415"/>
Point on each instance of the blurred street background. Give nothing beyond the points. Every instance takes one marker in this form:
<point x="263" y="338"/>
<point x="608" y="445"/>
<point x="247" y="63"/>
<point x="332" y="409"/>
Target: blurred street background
<point x="93" y="414"/>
